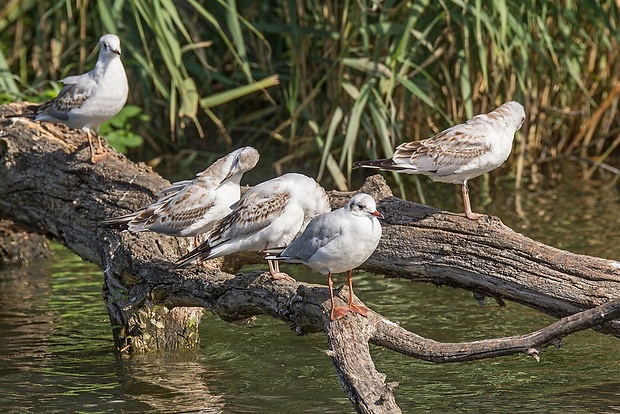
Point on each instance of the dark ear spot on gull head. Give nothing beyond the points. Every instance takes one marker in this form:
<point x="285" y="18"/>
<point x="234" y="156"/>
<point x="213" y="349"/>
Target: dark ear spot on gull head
<point x="363" y="204"/>
<point x="111" y="43"/>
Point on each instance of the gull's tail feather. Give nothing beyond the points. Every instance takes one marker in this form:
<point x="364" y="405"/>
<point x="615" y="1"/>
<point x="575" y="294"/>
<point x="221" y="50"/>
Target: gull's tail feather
<point x="386" y="164"/>
<point x="285" y="259"/>
<point x="201" y="253"/>
<point x="117" y="223"/>
<point x="277" y="257"/>
<point x="274" y="251"/>
<point x="30" y="111"/>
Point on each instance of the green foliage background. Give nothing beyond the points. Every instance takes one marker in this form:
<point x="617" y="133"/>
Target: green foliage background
<point x="316" y="85"/>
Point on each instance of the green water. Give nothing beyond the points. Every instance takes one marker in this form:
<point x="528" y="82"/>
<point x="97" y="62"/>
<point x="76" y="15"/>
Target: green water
<point x="56" y="351"/>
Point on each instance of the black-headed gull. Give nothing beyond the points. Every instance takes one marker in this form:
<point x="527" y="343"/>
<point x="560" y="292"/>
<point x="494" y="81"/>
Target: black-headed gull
<point x="192" y="207"/>
<point x="337" y="242"/>
<point x="88" y="100"/>
<point x="459" y="153"/>
<point x="269" y="216"/>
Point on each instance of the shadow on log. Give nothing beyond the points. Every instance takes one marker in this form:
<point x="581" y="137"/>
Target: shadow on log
<point x="48" y="182"/>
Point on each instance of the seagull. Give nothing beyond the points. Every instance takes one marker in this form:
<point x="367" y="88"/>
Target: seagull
<point x="336" y="242"/>
<point x="459" y="153"/>
<point x="192" y="207"/>
<point x="88" y="100"/>
<point x="269" y="216"/>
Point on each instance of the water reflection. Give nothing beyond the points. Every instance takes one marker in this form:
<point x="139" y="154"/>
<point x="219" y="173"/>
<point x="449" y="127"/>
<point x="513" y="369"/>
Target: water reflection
<point x="270" y="369"/>
<point x="169" y="383"/>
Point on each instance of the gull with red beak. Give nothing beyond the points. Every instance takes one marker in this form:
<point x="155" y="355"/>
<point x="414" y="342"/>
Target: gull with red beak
<point x="337" y="242"/>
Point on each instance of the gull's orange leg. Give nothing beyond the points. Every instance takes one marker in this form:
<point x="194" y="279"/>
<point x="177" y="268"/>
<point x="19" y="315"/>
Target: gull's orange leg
<point x="361" y="309"/>
<point x="337" y="312"/>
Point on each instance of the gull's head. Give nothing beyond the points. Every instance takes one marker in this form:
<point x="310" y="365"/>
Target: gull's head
<point x="513" y="112"/>
<point x="243" y="160"/>
<point x="363" y="205"/>
<point x="109" y="44"/>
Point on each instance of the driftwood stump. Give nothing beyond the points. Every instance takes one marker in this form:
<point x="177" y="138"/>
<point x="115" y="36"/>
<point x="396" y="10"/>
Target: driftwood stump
<point x="48" y="183"/>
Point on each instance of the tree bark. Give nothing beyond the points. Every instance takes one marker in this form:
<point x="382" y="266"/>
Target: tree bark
<point x="48" y="182"/>
<point x="19" y="245"/>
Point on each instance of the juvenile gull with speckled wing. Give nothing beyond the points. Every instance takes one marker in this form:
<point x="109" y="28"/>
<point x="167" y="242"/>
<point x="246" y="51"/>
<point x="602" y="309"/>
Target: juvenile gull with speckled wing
<point x="269" y="216"/>
<point x="88" y="100"/>
<point x="459" y="153"/>
<point x="336" y="242"/>
<point x="192" y="207"/>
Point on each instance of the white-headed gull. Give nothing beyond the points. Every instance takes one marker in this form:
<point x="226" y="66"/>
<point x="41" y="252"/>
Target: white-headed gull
<point x="87" y="101"/>
<point x="192" y="207"/>
<point x="269" y="216"/>
<point x="337" y="242"/>
<point x="459" y="153"/>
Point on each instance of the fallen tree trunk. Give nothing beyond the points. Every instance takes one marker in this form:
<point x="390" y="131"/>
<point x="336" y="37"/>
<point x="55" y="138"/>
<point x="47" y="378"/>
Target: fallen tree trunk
<point x="19" y="245"/>
<point x="48" y="182"/>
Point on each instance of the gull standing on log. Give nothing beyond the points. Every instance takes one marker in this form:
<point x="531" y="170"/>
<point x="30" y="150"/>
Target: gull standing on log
<point x="337" y="242"/>
<point x="459" y="153"/>
<point x="268" y="217"/>
<point x="192" y="207"/>
<point x="87" y="101"/>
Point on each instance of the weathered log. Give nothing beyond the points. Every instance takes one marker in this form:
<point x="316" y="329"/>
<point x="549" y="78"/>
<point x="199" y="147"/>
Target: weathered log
<point x="48" y="181"/>
<point x="19" y="245"/>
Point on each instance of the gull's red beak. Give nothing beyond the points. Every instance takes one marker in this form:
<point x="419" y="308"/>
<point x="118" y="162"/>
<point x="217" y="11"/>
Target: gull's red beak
<point x="377" y="214"/>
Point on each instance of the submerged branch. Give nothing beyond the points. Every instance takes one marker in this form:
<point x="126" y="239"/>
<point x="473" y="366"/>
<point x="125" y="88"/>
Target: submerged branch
<point x="48" y="182"/>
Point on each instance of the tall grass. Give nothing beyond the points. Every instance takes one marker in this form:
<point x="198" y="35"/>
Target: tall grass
<point x="379" y="73"/>
<point x="357" y="77"/>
